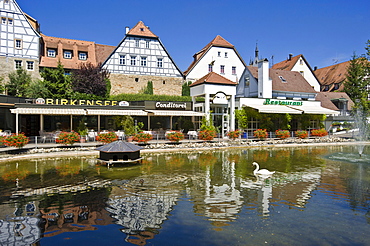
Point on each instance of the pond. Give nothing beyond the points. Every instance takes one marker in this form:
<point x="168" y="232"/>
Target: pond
<point x="317" y="196"/>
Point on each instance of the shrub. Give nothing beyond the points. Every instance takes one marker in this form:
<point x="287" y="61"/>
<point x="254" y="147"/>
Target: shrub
<point x="207" y="135"/>
<point x="2" y="138"/>
<point x="260" y="133"/>
<point x="16" y="140"/>
<point x="301" y="134"/>
<point x="68" y="138"/>
<point x="282" y="134"/>
<point x="234" y="134"/>
<point x="175" y="136"/>
<point x="143" y="137"/>
<point x="319" y="132"/>
<point x="107" y="137"/>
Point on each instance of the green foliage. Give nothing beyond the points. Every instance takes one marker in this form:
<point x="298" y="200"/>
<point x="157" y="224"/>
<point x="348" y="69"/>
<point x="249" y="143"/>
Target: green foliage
<point x="175" y="136"/>
<point x="241" y="118"/>
<point x="146" y="97"/>
<point x="186" y="89"/>
<point x="36" y="89"/>
<point x="142" y="137"/>
<point x="68" y="138"/>
<point x="19" y="82"/>
<point x="2" y="86"/>
<point x="57" y="83"/>
<point x="16" y="140"/>
<point x="107" y="137"/>
<point x="82" y="128"/>
<point x="126" y="122"/>
<point x="207" y="124"/>
<point x="148" y="89"/>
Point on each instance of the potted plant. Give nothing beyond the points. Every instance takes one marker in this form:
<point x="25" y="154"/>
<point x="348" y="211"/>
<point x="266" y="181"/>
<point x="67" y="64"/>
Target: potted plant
<point x="208" y="130"/>
<point x="175" y="136"/>
<point x="142" y="137"/>
<point x="107" y="137"/>
<point x="319" y="132"/>
<point x="282" y="134"/>
<point x="234" y="134"/>
<point x="260" y="134"/>
<point x="68" y="138"/>
<point x="127" y="124"/>
<point x="301" y="134"/>
<point x="16" y="140"/>
<point x="2" y="144"/>
<point x="82" y="129"/>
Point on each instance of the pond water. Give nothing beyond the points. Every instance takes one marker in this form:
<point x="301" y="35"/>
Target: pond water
<point x="317" y="196"/>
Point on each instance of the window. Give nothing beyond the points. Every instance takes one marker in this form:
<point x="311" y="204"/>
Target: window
<point x="225" y="54"/>
<point x="233" y="70"/>
<point x="30" y="65"/>
<point x="300" y="61"/>
<point x="160" y="62"/>
<point x="222" y="69"/>
<point x="210" y="68"/>
<point x="67" y="54"/>
<point x="247" y="81"/>
<point x="52" y="53"/>
<point x="143" y="61"/>
<point x="133" y="60"/>
<point x="219" y="54"/>
<point x="3" y="20"/>
<point x="301" y="72"/>
<point x="18" y="64"/>
<point x="10" y="21"/>
<point x="18" y="44"/>
<point x="147" y="44"/>
<point x="136" y="43"/>
<point x="82" y="56"/>
<point x="122" y="60"/>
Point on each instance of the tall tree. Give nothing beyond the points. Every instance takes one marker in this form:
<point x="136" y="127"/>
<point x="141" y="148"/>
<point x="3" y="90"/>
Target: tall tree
<point x="186" y="88"/>
<point x="19" y="81"/>
<point x="57" y="82"/>
<point x="91" y="79"/>
<point x="355" y="84"/>
<point x="37" y="88"/>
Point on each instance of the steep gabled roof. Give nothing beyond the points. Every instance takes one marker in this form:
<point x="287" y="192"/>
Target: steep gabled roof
<point x="213" y="78"/>
<point x="288" y="64"/>
<point x="141" y="30"/>
<point x="335" y="74"/>
<point x="218" y="41"/>
<point x="293" y="81"/>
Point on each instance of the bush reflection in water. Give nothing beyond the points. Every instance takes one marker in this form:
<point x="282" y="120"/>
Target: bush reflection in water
<point x="202" y="198"/>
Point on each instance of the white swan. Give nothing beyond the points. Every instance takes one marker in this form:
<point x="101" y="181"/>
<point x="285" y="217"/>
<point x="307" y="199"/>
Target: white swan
<point x="262" y="171"/>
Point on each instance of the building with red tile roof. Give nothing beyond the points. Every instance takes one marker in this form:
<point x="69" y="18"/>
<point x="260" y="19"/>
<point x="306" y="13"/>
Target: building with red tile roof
<point x="332" y="78"/>
<point x="218" y="56"/>
<point x="299" y="63"/>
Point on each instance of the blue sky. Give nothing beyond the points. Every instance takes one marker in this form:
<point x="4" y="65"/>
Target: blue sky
<point x="324" y="31"/>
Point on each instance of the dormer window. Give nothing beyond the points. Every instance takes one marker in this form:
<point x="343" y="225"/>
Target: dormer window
<point x="141" y="29"/>
<point x="51" y="53"/>
<point x="67" y="54"/>
<point x="82" y="56"/>
<point x="225" y="54"/>
<point x="336" y="86"/>
<point x="282" y="79"/>
<point x="300" y="62"/>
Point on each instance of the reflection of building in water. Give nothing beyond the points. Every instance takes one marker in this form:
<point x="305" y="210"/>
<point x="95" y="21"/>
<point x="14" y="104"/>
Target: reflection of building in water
<point x="21" y="223"/>
<point x="19" y="226"/>
<point x="221" y="201"/>
<point x="138" y="210"/>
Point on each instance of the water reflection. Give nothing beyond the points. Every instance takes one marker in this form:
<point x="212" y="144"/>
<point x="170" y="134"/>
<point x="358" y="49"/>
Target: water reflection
<point x="41" y="199"/>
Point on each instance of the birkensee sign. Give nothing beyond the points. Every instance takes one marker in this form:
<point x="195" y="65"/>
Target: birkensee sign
<point x="280" y="102"/>
<point x="50" y="101"/>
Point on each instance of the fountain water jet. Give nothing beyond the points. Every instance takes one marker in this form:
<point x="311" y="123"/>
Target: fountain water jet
<point x="362" y="125"/>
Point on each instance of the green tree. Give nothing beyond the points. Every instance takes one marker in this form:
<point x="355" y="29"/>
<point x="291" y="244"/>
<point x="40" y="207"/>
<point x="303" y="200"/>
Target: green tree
<point x="355" y="83"/>
<point x="19" y="81"/>
<point x="2" y="86"/>
<point x="36" y="89"/>
<point x="148" y="89"/>
<point x="241" y="118"/>
<point x="57" y="82"/>
<point x="186" y="89"/>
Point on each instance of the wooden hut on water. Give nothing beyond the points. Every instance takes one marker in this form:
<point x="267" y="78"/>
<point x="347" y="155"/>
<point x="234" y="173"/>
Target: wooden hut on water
<point x="119" y="152"/>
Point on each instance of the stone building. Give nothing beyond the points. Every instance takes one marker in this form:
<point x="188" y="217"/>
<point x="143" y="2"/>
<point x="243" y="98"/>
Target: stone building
<point x="139" y="58"/>
<point x="20" y="41"/>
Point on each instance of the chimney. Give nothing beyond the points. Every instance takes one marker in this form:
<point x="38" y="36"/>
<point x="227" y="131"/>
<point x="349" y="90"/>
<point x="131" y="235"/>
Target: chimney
<point x="290" y="57"/>
<point x="315" y="68"/>
<point x="127" y="29"/>
<point x="264" y="82"/>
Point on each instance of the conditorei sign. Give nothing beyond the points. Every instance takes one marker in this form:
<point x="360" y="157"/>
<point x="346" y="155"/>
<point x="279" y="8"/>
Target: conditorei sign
<point x="50" y="101"/>
<point x="280" y="102"/>
<point x="170" y="105"/>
